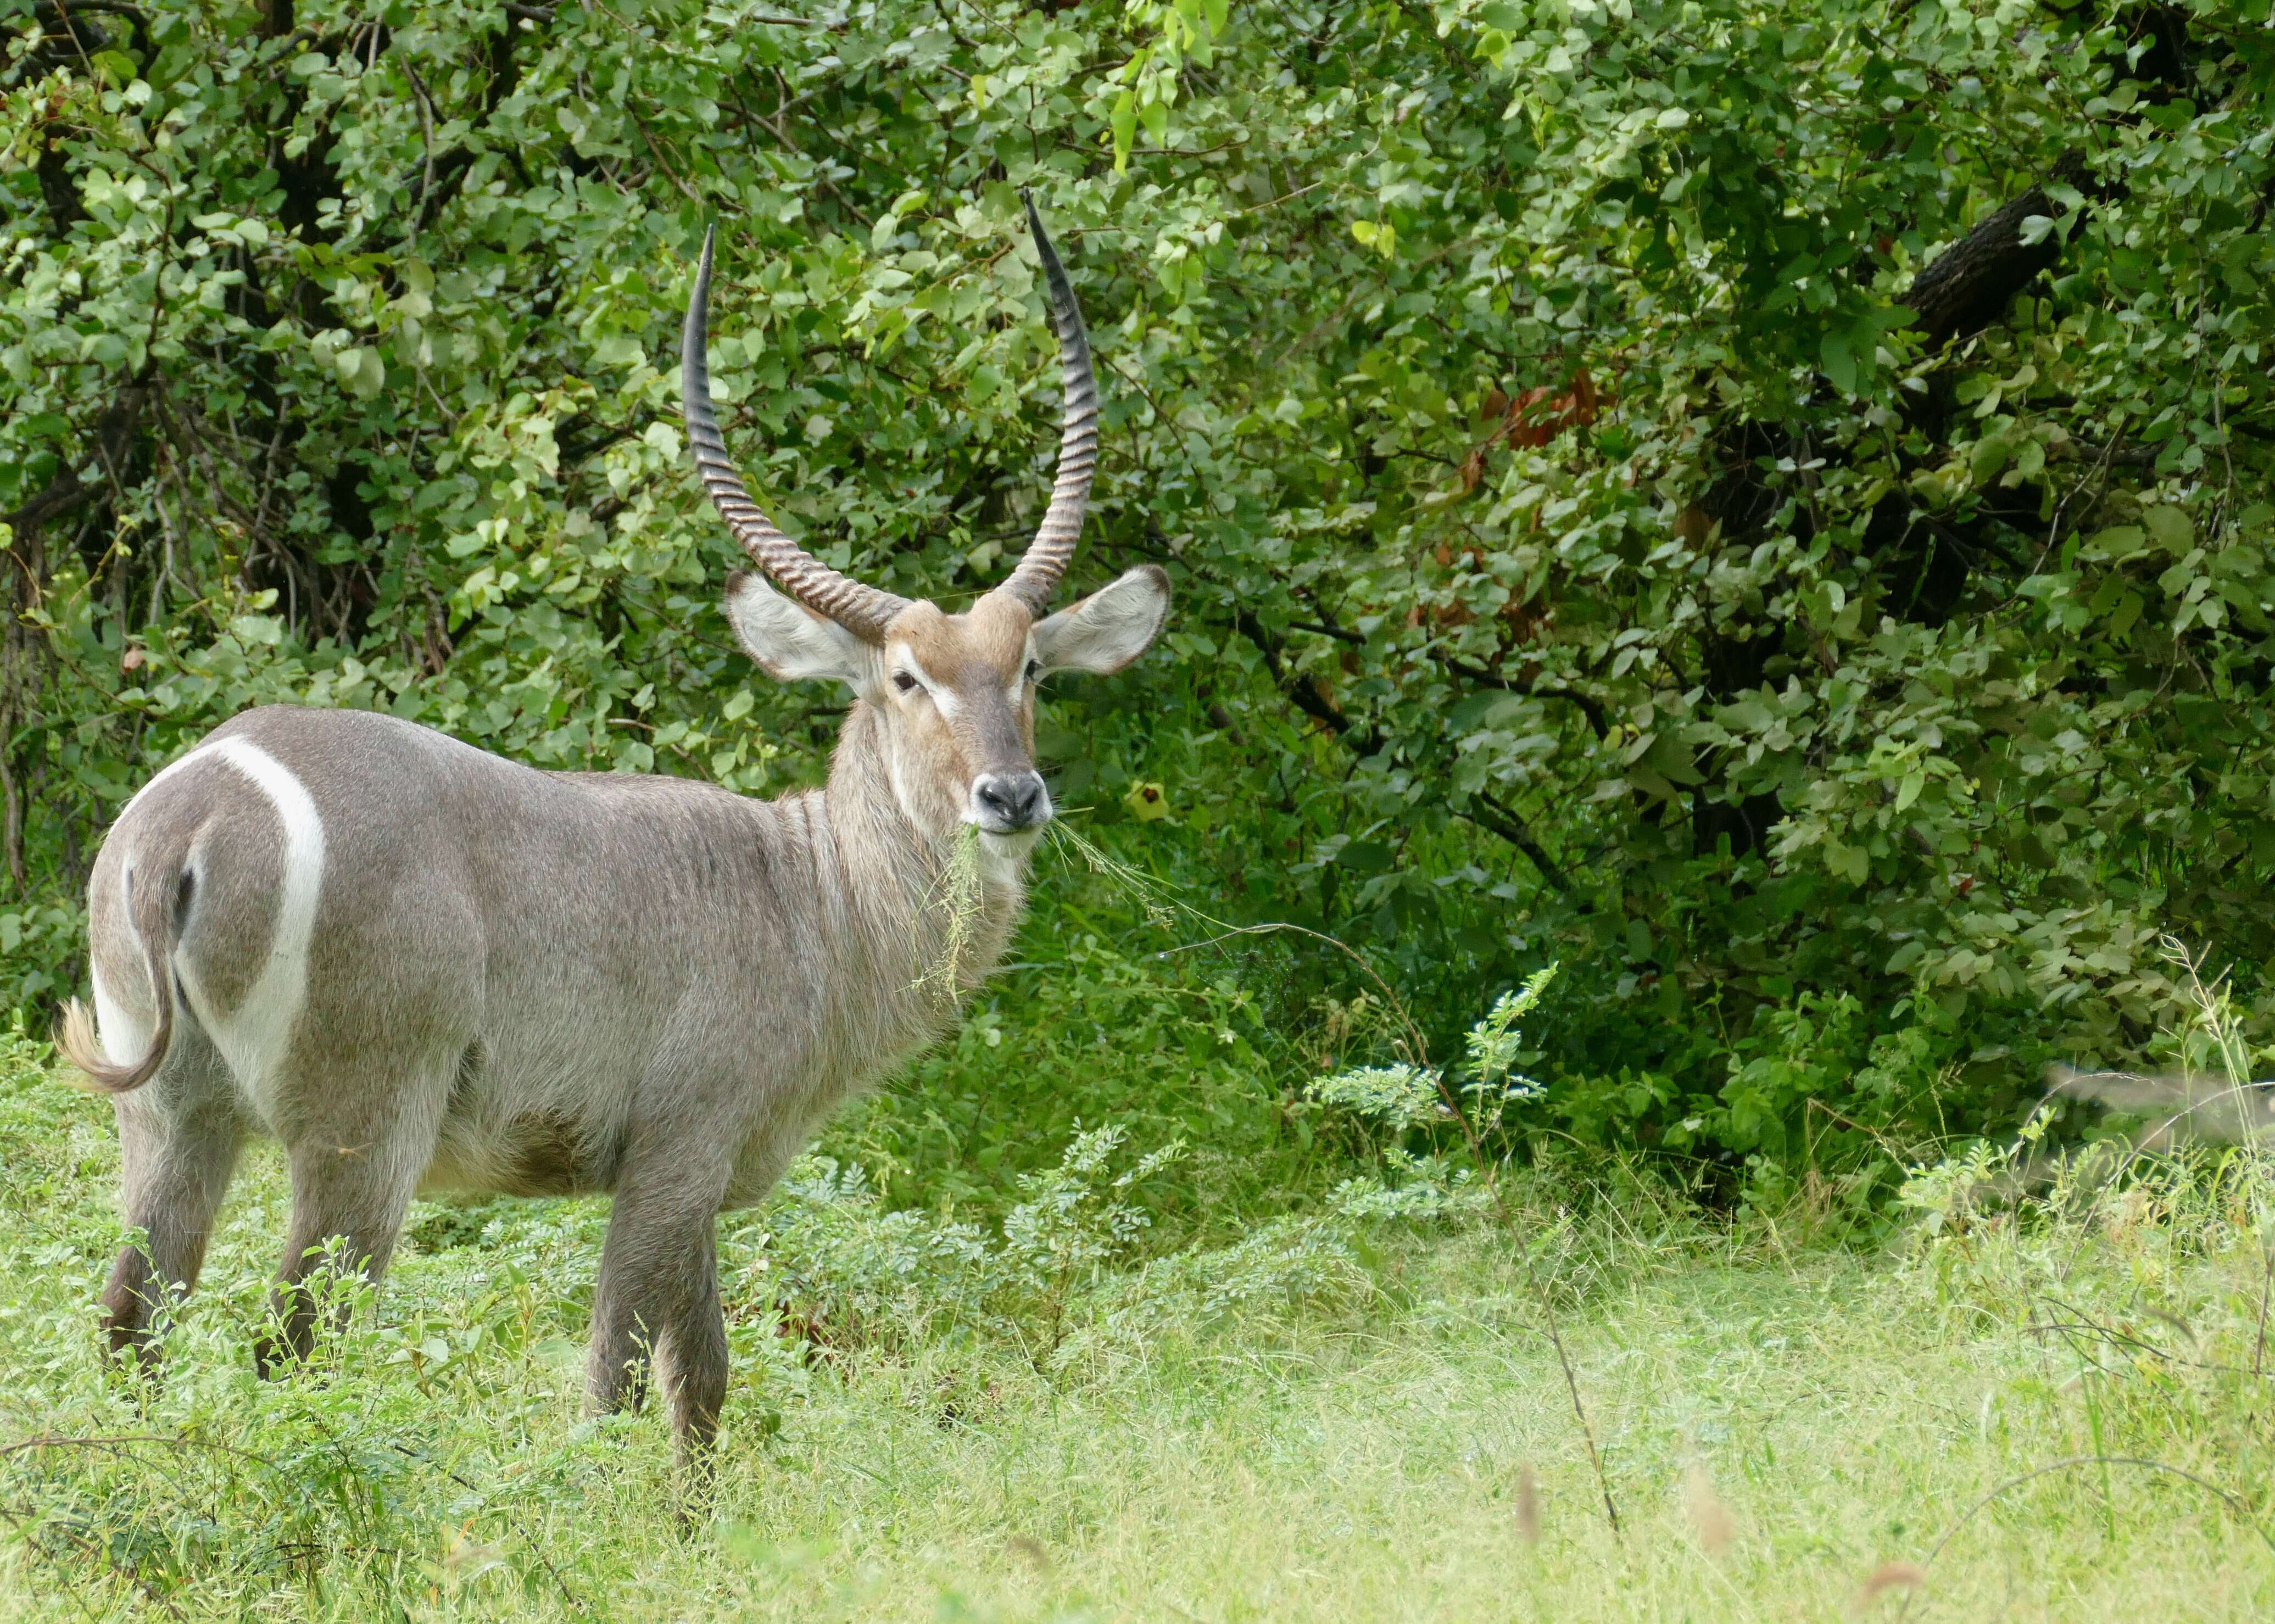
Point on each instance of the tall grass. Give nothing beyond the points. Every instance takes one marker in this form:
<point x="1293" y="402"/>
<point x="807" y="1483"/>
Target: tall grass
<point x="2042" y="1403"/>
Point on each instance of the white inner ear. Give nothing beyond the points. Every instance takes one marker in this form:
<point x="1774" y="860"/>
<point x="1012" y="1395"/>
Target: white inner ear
<point x="791" y="643"/>
<point x="1109" y="629"/>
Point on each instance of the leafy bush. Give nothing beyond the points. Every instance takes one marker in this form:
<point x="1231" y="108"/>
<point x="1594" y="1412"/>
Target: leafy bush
<point x="1765" y="505"/>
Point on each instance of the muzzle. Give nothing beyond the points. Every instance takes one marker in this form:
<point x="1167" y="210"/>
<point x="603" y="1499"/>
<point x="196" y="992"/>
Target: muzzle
<point x="1010" y="803"/>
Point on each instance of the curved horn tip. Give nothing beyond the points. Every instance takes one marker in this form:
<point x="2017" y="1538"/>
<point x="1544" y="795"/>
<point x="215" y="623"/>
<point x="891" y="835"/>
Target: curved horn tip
<point x="692" y="330"/>
<point x="703" y="261"/>
<point x="1043" y="247"/>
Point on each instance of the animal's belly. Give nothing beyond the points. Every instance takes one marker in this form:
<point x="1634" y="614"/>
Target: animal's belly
<point x="545" y="1156"/>
<point x="514" y="1133"/>
<point x="541" y="1152"/>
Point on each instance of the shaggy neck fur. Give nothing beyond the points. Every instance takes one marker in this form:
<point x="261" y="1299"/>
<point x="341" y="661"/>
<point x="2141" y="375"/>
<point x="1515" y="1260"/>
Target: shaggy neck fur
<point x="894" y="866"/>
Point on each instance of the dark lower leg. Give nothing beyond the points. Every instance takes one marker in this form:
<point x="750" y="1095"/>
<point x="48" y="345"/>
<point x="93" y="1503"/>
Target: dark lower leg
<point x="345" y="1217"/>
<point x="659" y="1291"/>
<point x="692" y="1356"/>
<point x="175" y="1174"/>
<point x="128" y="1303"/>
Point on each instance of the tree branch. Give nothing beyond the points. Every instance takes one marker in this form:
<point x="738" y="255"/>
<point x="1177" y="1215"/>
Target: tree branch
<point x="114" y="433"/>
<point x="1304" y="690"/>
<point x="1496" y="817"/>
<point x="1599" y="718"/>
<point x="1969" y="285"/>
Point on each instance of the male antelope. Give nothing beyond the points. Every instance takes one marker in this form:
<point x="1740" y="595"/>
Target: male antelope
<point x="422" y="966"/>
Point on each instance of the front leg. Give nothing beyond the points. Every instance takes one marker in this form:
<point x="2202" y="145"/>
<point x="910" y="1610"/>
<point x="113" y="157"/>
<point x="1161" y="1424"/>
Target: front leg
<point x="659" y="1293"/>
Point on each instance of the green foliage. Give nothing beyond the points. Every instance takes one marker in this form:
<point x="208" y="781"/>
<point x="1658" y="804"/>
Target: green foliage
<point x="1185" y="1418"/>
<point x="1594" y="540"/>
<point x="1055" y="1278"/>
<point x="1081" y="1030"/>
<point x="1397" y="1096"/>
<point x="1400" y="1098"/>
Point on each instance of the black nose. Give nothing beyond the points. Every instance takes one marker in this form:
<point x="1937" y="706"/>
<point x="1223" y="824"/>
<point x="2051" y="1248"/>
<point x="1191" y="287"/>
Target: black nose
<point x="1010" y="801"/>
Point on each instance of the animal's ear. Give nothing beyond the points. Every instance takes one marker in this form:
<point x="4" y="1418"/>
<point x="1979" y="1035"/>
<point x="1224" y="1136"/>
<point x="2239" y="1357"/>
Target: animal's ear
<point x="1109" y="629"/>
<point x="789" y="641"/>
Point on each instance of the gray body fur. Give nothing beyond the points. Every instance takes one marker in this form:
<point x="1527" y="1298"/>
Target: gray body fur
<point x="517" y="982"/>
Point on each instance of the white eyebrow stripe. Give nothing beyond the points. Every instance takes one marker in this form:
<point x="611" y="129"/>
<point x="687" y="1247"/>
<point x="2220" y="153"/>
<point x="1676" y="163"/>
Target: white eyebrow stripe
<point x="942" y="697"/>
<point x="1020" y="678"/>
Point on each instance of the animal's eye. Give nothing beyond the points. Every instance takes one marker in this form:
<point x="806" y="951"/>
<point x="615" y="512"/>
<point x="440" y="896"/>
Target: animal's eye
<point x="1034" y="670"/>
<point x="902" y="681"/>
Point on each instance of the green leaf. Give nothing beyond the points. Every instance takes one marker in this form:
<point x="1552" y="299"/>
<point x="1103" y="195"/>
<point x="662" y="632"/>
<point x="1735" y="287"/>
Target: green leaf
<point x="1839" y="363"/>
<point x="1988" y="457"/>
<point x="2170" y="528"/>
<point x="1746" y="716"/>
<point x="2117" y="541"/>
<point x="1125" y="128"/>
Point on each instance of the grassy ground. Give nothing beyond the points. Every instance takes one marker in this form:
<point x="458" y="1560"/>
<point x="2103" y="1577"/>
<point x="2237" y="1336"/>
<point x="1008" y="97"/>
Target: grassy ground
<point x="1338" y="1422"/>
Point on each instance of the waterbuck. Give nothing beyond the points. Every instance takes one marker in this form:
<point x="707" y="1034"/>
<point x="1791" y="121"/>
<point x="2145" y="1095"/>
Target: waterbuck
<point x="422" y="966"/>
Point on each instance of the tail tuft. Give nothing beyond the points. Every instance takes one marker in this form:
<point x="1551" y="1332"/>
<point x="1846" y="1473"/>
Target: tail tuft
<point x="77" y="1037"/>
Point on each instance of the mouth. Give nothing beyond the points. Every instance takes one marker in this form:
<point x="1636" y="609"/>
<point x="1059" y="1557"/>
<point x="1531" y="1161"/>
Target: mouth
<point x="1022" y="835"/>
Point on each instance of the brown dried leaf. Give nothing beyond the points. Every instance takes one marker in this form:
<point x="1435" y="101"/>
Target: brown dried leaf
<point x="1582" y="407"/>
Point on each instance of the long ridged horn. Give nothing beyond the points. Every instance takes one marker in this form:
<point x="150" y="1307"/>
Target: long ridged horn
<point x="1047" y="556"/>
<point x="862" y="610"/>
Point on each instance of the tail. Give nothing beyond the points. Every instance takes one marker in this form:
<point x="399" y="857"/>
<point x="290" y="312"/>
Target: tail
<point x="157" y="924"/>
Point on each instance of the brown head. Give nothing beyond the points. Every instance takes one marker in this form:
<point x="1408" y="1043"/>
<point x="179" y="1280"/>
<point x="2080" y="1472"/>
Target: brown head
<point x="953" y="695"/>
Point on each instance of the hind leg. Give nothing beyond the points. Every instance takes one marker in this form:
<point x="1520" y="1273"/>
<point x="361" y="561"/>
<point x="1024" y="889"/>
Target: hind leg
<point x="352" y="1180"/>
<point x="178" y="1141"/>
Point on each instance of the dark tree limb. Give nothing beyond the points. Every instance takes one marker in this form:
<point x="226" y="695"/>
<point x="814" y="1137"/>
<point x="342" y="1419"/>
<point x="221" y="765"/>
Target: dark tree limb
<point x="1497" y="818"/>
<point x="64" y="494"/>
<point x="1304" y="690"/>
<point x="1969" y="285"/>
<point x="1305" y="693"/>
<point x="57" y="190"/>
<point x="114" y="435"/>
<point x="1599" y="718"/>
